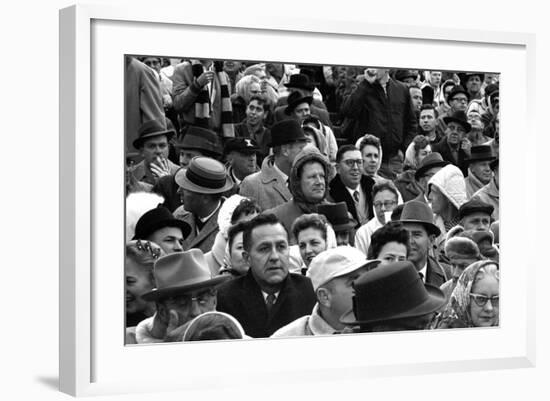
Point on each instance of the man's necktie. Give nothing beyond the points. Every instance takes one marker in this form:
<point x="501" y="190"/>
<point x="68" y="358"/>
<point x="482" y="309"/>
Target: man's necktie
<point x="356" y="196"/>
<point x="421" y="276"/>
<point x="270" y="301"/>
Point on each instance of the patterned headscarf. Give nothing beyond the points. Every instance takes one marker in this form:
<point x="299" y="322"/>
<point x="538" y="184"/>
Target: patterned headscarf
<point x="457" y="313"/>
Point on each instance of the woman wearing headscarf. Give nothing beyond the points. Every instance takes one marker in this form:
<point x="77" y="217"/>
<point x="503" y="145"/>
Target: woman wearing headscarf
<point x="475" y="300"/>
<point x="405" y="182"/>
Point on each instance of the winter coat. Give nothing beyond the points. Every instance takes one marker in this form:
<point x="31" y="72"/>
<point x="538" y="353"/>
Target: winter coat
<point x="339" y="193"/>
<point x="490" y="194"/>
<point x="443" y="148"/>
<point x="407" y="185"/>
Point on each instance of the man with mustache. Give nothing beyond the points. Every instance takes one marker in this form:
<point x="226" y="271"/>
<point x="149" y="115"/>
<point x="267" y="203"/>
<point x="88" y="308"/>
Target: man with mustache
<point x="268" y="297"/>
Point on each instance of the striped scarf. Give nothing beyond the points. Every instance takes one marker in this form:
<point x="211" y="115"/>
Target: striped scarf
<point x="203" y="105"/>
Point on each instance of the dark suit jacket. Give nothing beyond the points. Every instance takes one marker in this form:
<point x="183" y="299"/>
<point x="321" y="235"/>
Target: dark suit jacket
<point x="435" y="275"/>
<point x="339" y="193"/>
<point x="442" y="147"/>
<point x="204" y="240"/>
<point x="243" y="299"/>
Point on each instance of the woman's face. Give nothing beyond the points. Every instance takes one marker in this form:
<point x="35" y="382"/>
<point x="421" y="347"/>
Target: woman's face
<point x="311" y="243"/>
<point x="384" y="201"/>
<point x="438" y="201"/>
<point x="392" y="252"/>
<point x="484" y="315"/>
<point x="236" y="255"/>
<point x="138" y="282"/>
<point x="422" y="153"/>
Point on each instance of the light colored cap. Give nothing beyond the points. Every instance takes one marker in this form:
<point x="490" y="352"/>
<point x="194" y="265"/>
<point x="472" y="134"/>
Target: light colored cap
<point x="336" y="262"/>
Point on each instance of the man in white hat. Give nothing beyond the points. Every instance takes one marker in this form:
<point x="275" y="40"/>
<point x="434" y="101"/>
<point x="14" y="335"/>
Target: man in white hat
<point x="332" y="273"/>
<point x="184" y="289"/>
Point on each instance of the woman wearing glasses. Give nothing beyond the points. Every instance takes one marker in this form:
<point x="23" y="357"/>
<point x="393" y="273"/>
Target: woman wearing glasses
<point x="384" y="199"/>
<point x="475" y="300"/>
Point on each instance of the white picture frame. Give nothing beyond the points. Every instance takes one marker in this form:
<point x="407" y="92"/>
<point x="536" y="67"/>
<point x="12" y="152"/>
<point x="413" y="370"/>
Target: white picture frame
<point x="93" y="359"/>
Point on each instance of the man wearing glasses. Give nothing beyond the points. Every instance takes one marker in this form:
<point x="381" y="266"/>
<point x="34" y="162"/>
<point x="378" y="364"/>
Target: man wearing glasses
<point x="351" y="186"/>
<point x="184" y="290"/>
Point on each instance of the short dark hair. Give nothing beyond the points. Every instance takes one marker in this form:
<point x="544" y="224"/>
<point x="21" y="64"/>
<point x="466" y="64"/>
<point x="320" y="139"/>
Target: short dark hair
<point x="262" y="101"/>
<point x="233" y="231"/>
<point x="385" y="185"/>
<point x="369" y="140"/>
<point x="263" y="219"/>
<point x="313" y="220"/>
<point x="246" y="206"/>
<point x="389" y="232"/>
<point x="428" y="106"/>
<point x="343" y="149"/>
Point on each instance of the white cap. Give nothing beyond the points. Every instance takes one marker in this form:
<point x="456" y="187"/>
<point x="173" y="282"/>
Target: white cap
<point x="336" y="262"/>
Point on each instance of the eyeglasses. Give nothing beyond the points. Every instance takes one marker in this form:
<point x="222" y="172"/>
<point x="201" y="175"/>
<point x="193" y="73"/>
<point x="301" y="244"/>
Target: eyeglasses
<point x="186" y="301"/>
<point x="352" y="162"/>
<point x="481" y="300"/>
<point x="386" y="204"/>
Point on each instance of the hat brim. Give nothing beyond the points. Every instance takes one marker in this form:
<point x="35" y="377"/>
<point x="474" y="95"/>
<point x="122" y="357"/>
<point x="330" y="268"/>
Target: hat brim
<point x="190" y="186"/>
<point x="432" y="228"/>
<point x="293" y="105"/>
<point x="481" y="159"/>
<point x="139" y="141"/>
<point x="466" y="125"/>
<point x="423" y="169"/>
<point x="436" y="299"/>
<point x="343" y="227"/>
<point x="309" y="87"/>
<point x="182" y="225"/>
<point x="167" y="292"/>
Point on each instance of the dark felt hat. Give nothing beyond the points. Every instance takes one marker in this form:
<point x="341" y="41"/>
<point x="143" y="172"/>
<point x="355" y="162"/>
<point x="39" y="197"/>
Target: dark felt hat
<point x="459" y="117"/>
<point x="201" y="139"/>
<point x="295" y="99"/>
<point x="494" y="164"/>
<point x="419" y="212"/>
<point x="286" y="131"/>
<point x="481" y="153"/>
<point x="205" y="176"/>
<point x="150" y="129"/>
<point x="181" y="272"/>
<point x="241" y="145"/>
<point x="434" y="159"/>
<point x="337" y="215"/>
<point x="465" y="76"/>
<point x="300" y="81"/>
<point x="394" y="291"/>
<point x="456" y="90"/>
<point x="474" y="206"/>
<point x="158" y="218"/>
<point x="401" y="75"/>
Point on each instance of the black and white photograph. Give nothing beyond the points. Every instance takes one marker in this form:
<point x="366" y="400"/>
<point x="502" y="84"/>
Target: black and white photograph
<point x="269" y="199"/>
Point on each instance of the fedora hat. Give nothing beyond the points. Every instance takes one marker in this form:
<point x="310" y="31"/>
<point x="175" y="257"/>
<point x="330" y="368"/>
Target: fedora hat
<point x="337" y="215"/>
<point x="295" y="99"/>
<point x="458" y="117"/>
<point x="151" y="129"/>
<point x="465" y="76"/>
<point x="434" y="159"/>
<point x="158" y="218"/>
<point x="204" y="176"/>
<point x="300" y="81"/>
<point x="481" y="153"/>
<point x="181" y="272"/>
<point x="401" y="75"/>
<point x="286" y="131"/>
<point x="394" y="291"/>
<point x="456" y="90"/>
<point x="201" y="139"/>
<point x="419" y="212"/>
<point x="241" y="145"/>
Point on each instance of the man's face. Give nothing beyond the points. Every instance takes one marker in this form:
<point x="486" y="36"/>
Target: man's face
<point x="458" y="265"/>
<point x="478" y="221"/>
<point x="427" y="120"/>
<point x="419" y="243"/>
<point x="292" y="150"/>
<point x="231" y="66"/>
<point x="170" y="239"/>
<point x="343" y="237"/>
<point x="186" y="155"/>
<point x="255" y="113"/>
<point x="371" y="159"/>
<point x="301" y="111"/>
<point x="435" y="78"/>
<point x="426" y="177"/>
<point x="192" y="200"/>
<point x="455" y="132"/>
<point x="312" y="182"/>
<point x="153" y="62"/>
<point x="268" y="257"/>
<point x="311" y="243"/>
<point x="138" y="282"/>
<point x="244" y="164"/>
<point x="253" y="90"/>
<point x="459" y="102"/>
<point x="482" y="170"/>
<point x="350" y="168"/>
<point x="154" y="147"/>
<point x="473" y="85"/>
<point x="416" y="98"/>
<point x="341" y="291"/>
<point x="190" y="305"/>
